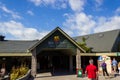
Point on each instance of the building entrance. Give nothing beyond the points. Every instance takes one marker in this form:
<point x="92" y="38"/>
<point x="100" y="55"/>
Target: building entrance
<point x="60" y="63"/>
<point x="52" y="63"/>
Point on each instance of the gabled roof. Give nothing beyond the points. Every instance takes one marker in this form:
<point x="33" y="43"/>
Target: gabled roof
<point x="16" y="46"/>
<point x="63" y="33"/>
<point x="101" y="42"/>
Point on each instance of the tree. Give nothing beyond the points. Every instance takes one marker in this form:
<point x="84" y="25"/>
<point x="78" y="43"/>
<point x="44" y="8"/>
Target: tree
<point x="84" y="45"/>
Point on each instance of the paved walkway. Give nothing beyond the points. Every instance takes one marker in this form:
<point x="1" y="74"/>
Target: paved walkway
<point x="72" y="77"/>
<point x="48" y="76"/>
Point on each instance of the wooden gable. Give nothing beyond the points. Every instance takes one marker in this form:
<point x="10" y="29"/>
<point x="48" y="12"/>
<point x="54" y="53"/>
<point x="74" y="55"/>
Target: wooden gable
<point x="57" y="39"/>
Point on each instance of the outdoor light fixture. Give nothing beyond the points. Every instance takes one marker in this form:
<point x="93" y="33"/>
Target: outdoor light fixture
<point x="3" y="58"/>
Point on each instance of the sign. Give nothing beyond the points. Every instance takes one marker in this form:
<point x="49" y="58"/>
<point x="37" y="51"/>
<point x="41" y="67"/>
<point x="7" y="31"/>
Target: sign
<point x="52" y="44"/>
<point x="79" y="73"/>
<point x="56" y="38"/>
<point x="100" y="58"/>
<point x="118" y="53"/>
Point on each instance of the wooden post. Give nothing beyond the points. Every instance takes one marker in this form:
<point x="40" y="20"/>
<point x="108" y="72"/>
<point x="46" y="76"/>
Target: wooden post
<point x="78" y="61"/>
<point x="34" y="63"/>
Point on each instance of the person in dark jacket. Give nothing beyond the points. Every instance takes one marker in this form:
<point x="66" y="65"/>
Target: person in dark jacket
<point x="104" y="65"/>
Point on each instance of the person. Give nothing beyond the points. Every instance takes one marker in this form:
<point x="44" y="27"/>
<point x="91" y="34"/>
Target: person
<point x="114" y="64"/>
<point x="104" y="68"/>
<point x="91" y="71"/>
<point x="2" y="71"/>
<point x="119" y="67"/>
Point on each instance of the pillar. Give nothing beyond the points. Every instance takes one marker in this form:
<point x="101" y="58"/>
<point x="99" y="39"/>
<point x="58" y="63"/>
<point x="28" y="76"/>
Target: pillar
<point x="33" y="63"/>
<point x="78" y="60"/>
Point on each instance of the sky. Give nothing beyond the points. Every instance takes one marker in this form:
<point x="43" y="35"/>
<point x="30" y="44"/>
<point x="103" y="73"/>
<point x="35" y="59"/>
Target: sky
<point x="34" y="19"/>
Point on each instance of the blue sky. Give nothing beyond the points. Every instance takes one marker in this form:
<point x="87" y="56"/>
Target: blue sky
<point x="33" y="19"/>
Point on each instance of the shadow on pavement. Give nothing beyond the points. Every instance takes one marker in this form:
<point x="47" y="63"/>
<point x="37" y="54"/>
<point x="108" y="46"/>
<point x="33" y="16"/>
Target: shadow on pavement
<point x="51" y="74"/>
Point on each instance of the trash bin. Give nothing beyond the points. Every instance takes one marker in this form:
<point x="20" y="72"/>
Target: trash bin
<point x="79" y="73"/>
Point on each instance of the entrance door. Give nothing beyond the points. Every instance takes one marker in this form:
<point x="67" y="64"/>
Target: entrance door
<point x="42" y="63"/>
<point x="57" y="60"/>
<point x="60" y="63"/>
<point x="48" y="63"/>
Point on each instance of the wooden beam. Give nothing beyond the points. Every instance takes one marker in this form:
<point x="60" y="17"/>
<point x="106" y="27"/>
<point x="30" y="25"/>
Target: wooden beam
<point x="15" y="54"/>
<point x="98" y="54"/>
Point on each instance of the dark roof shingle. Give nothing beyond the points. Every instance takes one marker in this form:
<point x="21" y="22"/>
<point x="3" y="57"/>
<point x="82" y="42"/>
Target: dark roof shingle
<point x="12" y="46"/>
<point x="100" y="42"/>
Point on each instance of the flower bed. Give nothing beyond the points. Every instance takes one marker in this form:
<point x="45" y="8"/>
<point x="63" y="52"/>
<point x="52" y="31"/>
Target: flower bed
<point x="19" y="72"/>
<point x="25" y="77"/>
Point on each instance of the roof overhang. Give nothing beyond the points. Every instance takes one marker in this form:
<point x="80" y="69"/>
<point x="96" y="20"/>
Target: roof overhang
<point x="15" y="54"/>
<point x="100" y="54"/>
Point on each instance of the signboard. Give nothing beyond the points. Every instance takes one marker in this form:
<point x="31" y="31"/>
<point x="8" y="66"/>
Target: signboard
<point x="52" y="44"/>
<point x="118" y="53"/>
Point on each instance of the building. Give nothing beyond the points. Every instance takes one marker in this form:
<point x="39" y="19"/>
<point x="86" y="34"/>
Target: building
<point x="58" y="51"/>
<point x="101" y="44"/>
<point x="108" y="41"/>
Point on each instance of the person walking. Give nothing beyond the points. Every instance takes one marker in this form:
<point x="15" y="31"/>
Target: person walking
<point x="104" y="68"/>
<point x="114" y="64"/>
<point x="119" y="68"/>
<point x="91" y="71"/>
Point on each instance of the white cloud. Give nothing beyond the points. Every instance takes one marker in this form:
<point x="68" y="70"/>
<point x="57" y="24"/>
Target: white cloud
<point x="12" y="13"/>
<point x="79" y="24"/>
<point x="60" y="4"/>
<point x="82" y="24"/>
<point x="45" y="2"/>
<point x="63" y="5"/>
<point x="106" y="24"/>
<point x="98" y="3"/>
<point x="53" y="3"/>
<point x="117" y="12"/>
<point x="36" y="2"/>
<point x="49" y="1"/>
<point x="19" y="31"/>
<point x="30" y="12"/>
<point x="77" y="5"/>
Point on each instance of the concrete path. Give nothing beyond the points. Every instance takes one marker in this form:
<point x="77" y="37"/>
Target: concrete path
<point x="72" y="77"/>
<point x="48" y="76"/>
